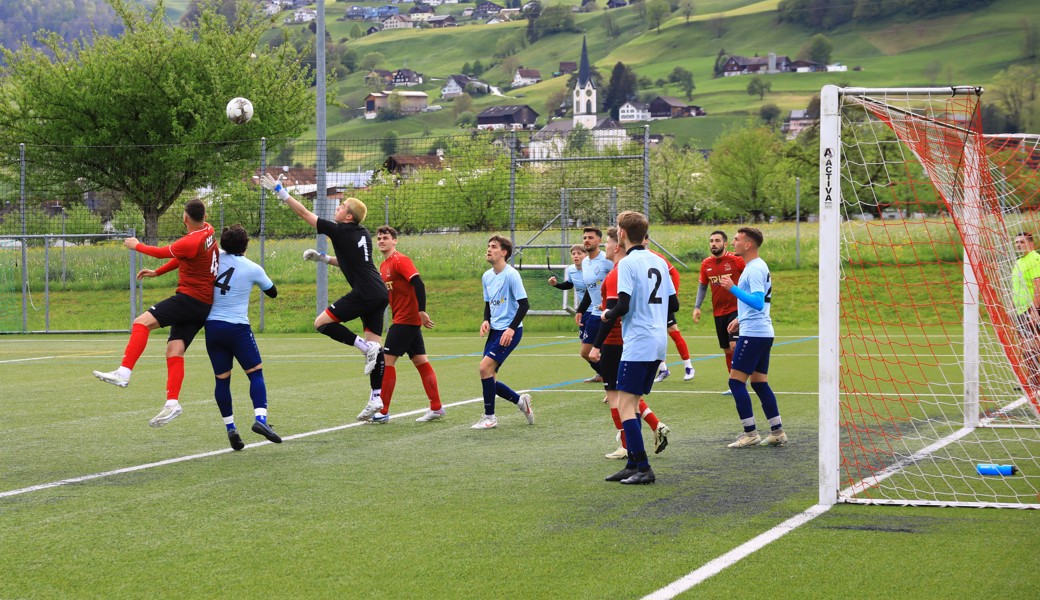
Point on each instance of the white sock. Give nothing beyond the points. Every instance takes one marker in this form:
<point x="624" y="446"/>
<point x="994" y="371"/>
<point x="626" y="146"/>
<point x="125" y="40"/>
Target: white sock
<point x="688" y="363"/>
<point x="361" y="344"/>
<point x="172" y="402"/>
<point x="124" y="372"/>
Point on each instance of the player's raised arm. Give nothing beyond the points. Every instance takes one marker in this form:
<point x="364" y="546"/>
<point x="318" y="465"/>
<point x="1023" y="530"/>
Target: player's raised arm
<point x="276" y="186"/>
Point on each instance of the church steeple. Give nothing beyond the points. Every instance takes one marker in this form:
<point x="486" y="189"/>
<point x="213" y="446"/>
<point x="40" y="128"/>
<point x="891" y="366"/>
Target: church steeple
<point x="584" y="96"/>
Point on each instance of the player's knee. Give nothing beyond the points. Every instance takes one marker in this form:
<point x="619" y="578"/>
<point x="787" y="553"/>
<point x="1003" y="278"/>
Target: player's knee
<point x="320" y="327"/>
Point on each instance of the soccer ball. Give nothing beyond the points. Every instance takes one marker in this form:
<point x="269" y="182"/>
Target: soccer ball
<point x="239" y="110"/>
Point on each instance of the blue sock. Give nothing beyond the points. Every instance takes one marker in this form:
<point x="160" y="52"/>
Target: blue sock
<point x="743" y="401"/>
<point x="489" y="395"/>
<point x="503" y="390"/>
<point x="634" y="439"/>
<point x="258" y="390"/>
<point x="222" y="393"/>
<point x="768" y="399"/>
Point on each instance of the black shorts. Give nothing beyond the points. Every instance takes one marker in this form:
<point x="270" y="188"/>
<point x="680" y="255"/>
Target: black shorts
<point x="354" y="305"/>
<point x="184" y="315"/>
<point x="671" y="320"/>
<point x="609" y="359"/>
<point x="722" y="330"/>
<point x="401" y="339"/>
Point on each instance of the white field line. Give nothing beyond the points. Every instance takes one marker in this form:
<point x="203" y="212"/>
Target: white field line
<point x="18" y="360"/>
<point x="730" y="558"/>
<point x="180" y="459"/>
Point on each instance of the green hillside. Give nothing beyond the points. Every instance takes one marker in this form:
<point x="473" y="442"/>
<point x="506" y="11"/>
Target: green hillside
<point x="967" y="48"/>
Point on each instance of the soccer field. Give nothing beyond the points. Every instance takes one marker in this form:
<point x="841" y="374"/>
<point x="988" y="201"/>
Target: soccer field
<point x="437" y="510"/>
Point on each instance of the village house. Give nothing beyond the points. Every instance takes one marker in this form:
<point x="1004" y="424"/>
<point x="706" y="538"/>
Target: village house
<point x="667" y="107"/>
<point x="797" y="121"/>
<point x="407" y="78"/>
<point x="406" y="165"/>
<point x="397" y="22"/>
<point x="485" y="10"/>
<point x="633" y="111"/>
<point x="525" y="77"/>
<point x="438" y="21"/>
<point x="411" y="102"/>
<point x="512" y="117"/>
<point x="765" y="65"/>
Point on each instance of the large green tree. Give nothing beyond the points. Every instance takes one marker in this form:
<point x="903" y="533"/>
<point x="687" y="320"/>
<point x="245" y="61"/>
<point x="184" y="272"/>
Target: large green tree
<point x="742" y="170"/>
<point x="142" y="115"/>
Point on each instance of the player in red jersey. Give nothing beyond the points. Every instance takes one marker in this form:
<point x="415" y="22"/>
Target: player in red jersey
<point x="408" y="304"/>
<point x="195" y="258"/>
<point x="606" y="349"/>
<point x="723" y="302"/>
<point x="674" y="333"/>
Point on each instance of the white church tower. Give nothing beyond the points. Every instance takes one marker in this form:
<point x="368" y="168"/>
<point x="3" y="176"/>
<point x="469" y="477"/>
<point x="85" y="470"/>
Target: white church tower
<point x="585" y="93"/>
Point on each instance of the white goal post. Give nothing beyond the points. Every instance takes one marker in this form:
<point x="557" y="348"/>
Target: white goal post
<point x="929" y="354"/>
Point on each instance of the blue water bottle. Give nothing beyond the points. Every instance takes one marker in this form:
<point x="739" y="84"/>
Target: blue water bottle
<point x="991" y="469"/>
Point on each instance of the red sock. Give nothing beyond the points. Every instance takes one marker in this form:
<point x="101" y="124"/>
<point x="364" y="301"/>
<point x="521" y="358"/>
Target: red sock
<point x="429" y="382"/>
<point x="729" y="362"/>
<point x="135" y="347"/>
<point x="174" y="376"/>
<point x="389" y="383"/>
<point x="617" y="423"/>
<point x="648" y="415"/>
<point x="680" y="344"/>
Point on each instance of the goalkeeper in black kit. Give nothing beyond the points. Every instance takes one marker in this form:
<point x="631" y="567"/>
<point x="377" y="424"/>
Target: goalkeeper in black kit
<point x="367" y="299"/>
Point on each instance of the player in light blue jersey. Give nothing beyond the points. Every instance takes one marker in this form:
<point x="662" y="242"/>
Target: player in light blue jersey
<point x="754" y="293"/>
<point x="229" y="337"/>
<point x="505" y="304"/>
<point x="645" y="297"/>
<point x="594" y="269"/>
<point x="574" y="280"/>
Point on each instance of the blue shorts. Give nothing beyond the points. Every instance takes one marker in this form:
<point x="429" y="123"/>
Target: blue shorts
<point x="226" y="341"/>
<point x="590" y="328"/>
<point x="496" y="351"/>
<point x="752" y="354"/>
<point x="637" y="377"/>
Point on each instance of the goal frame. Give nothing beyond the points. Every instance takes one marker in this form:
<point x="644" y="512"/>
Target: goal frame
<point x="829" y="310"/>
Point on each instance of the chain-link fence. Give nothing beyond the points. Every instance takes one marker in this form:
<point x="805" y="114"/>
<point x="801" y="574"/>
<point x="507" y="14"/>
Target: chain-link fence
<point x="60" y="231"/>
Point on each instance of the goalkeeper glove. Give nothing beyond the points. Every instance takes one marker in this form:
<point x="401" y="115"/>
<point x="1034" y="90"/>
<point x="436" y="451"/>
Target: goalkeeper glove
<point x="275" y="186"/>
<point x="314" y="255"/>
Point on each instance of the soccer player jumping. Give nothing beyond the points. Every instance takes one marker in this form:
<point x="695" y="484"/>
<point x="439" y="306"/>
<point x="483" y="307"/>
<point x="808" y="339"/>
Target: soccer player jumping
<point x="195" y="258"/>
<point x="367" y="298"/>
<point x="754" y="293"/>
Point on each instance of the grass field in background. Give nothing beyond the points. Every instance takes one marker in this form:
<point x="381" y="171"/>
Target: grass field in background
<point x="438" y="510"/>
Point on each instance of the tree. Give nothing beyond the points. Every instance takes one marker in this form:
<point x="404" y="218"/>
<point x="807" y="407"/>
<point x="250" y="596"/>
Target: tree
<point x="389" y="143"/>
<point x="557" y="18"/>
<point x="769" y="113"/>
<point x="461" y="104"/>
<point x="720" y="63"/>
<point x="350" y="60"/>
<point x="143" y="114"/>
<point x="818" y="49"/>
<point x="741" y="170"/>
<point x="612" y="29"/>
<point x="356" y="32"/>
<point x="758" y="87"/>
<point x="1015" y="89"/>
<point x="1030" y="41"/>
<point x="684" y="79"/>
<point x="622" y="86"/>
<point x="557" y="100"/>
<point x="657" y="12"/>
<point x="372" y="60"/>
<point x="687" y="10"/>
<point x="477" y="68"/>
<point x="676" y="189"/>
